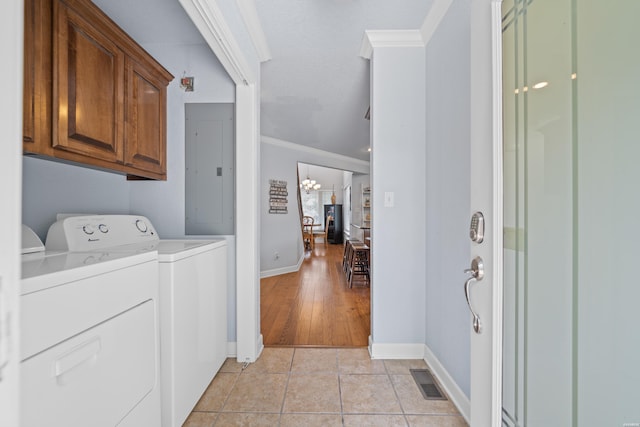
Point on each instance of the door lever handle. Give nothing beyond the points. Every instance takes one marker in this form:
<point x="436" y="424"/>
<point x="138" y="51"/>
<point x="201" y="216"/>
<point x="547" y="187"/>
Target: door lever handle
<point x="477" y="274"/>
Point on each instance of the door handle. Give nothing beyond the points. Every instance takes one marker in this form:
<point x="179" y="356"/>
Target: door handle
<point x="477" y="274"/>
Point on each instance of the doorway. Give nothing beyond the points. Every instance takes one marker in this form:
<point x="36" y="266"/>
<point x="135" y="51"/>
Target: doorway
<point x="314" y="306"/>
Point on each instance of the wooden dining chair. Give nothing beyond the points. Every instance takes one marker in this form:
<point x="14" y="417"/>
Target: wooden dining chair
<point x="321" y="233"/>
<point x="307" y="231"/>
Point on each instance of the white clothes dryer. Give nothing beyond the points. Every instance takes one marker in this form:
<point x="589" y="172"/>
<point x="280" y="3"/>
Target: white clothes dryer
<point x="89" y="339"/>
<point x="193" y="303"/>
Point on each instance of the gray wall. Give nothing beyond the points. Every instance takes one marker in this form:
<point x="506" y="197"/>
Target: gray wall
<point x="281" y="233"/>
<point x="447" y="195"/>
<point x="397" y="166"/>
<point x="49" y="188"/>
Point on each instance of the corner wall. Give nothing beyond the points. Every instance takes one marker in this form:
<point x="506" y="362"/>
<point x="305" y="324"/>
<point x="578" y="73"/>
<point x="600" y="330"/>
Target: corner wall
<point x="447" y="192"/>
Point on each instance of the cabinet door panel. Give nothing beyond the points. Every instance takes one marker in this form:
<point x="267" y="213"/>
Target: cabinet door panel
<point x="146" y="129"/>
<point x="89" y="84"/>
<point x="28" y="107"/>
<point x="37" y="77"/>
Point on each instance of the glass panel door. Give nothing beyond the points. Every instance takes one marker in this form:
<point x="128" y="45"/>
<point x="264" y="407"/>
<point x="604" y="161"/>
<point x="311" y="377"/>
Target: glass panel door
<point x="570" y="98"/>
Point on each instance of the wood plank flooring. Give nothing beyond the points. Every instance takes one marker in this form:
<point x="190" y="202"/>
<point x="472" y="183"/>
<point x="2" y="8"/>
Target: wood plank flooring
<point x="314" y="306"/>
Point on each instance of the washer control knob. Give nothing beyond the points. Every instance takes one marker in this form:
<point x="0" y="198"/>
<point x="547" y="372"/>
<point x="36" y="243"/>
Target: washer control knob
<point x="88" y="229"/>
<point x="103" y="228"/>
<point x="141" y="225"/>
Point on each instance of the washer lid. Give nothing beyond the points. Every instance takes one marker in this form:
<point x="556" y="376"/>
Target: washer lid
<point x="174" y="250"/>
<point x="46" y="271"/>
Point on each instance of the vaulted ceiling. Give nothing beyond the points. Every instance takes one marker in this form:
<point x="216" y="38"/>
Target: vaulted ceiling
<point x="315" y="87"/>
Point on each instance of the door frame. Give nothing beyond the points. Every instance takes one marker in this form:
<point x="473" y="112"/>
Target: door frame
<point x="487" y="196"/>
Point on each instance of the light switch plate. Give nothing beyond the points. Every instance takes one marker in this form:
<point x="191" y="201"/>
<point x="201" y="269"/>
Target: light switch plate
<point x="388" y="199"/>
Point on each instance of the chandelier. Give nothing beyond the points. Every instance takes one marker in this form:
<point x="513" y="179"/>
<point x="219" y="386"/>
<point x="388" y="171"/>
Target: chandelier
<point x="309" y="184"/>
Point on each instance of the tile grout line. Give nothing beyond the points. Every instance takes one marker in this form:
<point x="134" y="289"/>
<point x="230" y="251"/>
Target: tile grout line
<point x="286" y="387"/>
<point x="395" y="392"/>
<point x="340" y="388"/>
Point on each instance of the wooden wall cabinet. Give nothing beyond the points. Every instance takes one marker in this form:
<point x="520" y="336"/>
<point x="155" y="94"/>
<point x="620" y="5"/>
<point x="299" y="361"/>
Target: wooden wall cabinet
<point x="107" y="95"/>
<point x="37" y="84"/>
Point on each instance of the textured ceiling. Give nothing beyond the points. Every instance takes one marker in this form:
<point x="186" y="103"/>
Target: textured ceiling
<point x="315" y="89"/>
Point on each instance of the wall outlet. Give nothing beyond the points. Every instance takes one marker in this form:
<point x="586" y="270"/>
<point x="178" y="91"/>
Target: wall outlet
<point x="276" y="256"/>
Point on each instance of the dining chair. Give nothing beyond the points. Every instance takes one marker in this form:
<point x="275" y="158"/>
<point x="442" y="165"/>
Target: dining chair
<point x="323" y="233"/>
<point x="307" y="231"/>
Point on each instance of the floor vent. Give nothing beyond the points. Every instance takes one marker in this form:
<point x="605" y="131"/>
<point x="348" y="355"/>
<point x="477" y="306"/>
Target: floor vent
<point x="427" y="384"/>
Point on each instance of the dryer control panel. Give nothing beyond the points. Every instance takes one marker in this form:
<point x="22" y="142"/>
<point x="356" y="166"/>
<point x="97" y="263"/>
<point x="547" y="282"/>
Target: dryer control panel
<point x="83" y="233"/>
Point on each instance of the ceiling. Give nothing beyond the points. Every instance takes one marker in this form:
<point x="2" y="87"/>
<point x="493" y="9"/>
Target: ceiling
<point x="315" y="89"/>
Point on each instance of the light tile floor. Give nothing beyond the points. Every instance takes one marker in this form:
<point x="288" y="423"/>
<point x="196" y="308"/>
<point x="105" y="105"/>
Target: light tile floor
<point x="320" y="387"/>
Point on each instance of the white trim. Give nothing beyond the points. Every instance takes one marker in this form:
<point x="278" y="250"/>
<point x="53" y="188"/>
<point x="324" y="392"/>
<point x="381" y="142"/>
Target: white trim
<point x="455" y="393"/>
<point x="12" y="24"/>
<point x="254" y="27"/>
<point x="259" y="345"/>
<point x="232" y="349"/>
<point x="389" y="38"/>
<point x="209" y="20"/>
<point x="395" y="351"/>
<point x="315" y="151"/>
<point x="247" y="223"/>
<point x="498" y="220"/>
<point x="437" y="12"/>
<point x="282" y="270"/>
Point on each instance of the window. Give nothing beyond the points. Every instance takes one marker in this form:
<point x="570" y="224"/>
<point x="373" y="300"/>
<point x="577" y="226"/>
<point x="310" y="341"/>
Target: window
<point x="313" y="204"/>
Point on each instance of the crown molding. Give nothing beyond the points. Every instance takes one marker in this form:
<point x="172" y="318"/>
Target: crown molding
<point x="389" y="38"/>
<point x="315" y="151"/>
<point x="209" y="20"/>
<point x="437" y="12"/>
<point x="249" y="14"/>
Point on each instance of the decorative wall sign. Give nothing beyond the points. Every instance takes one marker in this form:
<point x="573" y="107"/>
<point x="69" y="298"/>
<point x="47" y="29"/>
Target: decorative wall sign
<point x="277" y="197"/>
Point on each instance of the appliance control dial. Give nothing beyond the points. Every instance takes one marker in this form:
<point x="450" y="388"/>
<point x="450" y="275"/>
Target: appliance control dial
<point x="88" y="229"/>
<point x="103" y="228"/>
<point x="141" y="225"/>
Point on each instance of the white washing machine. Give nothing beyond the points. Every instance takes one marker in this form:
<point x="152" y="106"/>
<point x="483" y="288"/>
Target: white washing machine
<point x="193" y="305"/>
<point x="89" y="338"/>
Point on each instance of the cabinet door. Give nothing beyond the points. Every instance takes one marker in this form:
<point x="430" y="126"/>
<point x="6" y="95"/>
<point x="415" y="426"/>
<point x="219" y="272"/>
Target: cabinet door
<point x="89" y="88"/>
<point x="36" y="113"/>
<point x="28" y="126"/>
<point x="145" y="146"/>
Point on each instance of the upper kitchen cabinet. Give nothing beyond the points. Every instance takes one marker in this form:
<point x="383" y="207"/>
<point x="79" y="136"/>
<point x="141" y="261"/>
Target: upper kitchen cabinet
<point x="37" y="85"/>
<point x="88" y="85"/>
<point x="108" y="95"/>
<point x="145" y="146"/>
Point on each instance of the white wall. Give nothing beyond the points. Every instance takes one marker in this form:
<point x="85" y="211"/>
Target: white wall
<point x="447" y="192"/>
<point x="397" y="166"/>
<point x="281" y="233"/>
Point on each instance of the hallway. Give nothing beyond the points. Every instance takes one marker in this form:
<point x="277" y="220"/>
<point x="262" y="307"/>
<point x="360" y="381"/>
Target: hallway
<point x="314" y="306"/>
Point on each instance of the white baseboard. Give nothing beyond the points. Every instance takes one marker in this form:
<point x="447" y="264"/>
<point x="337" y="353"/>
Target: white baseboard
<point x="232" y="349"/>
<point x="282" y="270"/>
<point x="259" y="346"/>
<point x="450" y="386"/>
<point x="395" y="351"/>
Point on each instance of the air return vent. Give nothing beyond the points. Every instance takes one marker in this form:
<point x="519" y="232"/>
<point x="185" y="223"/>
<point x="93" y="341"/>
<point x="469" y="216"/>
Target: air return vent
<point x="427" y="384"/>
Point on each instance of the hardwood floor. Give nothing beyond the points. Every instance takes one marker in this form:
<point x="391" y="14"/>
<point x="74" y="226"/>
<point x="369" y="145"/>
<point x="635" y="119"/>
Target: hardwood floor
<point x="315" y="306"/>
